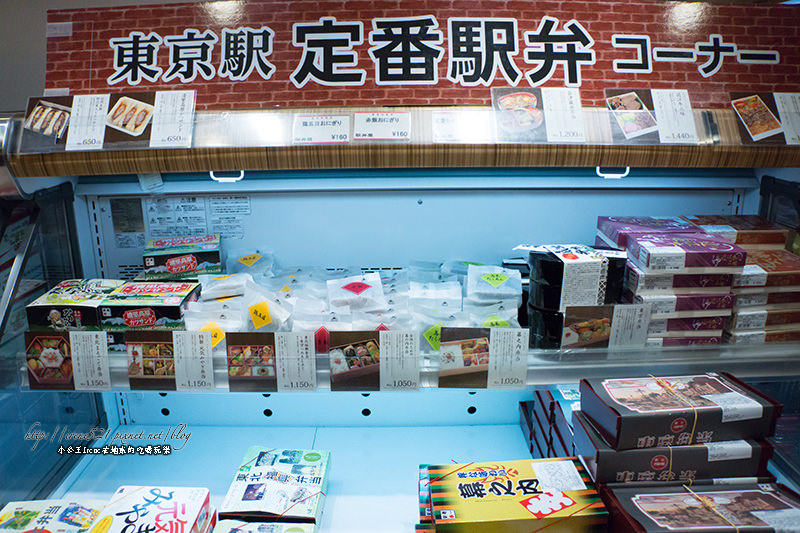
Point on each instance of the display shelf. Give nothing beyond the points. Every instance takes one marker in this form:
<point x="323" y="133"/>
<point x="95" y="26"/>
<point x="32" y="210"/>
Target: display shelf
<point x="373" y="477"/>
<point x="261" y="139"/>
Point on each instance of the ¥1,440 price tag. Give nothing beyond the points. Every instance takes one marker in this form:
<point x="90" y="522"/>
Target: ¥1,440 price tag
<point x="90" y="360"/>
<point x="399" y="360"/>
<point x="87" y="125"/>
<point x="508" y="358"/>
<point x="371" y="126"/>
<point x="675" y="116"/>
<point x="321" y="129"/>
<point x="297" y="365"/>
<point x="194" y="365"/>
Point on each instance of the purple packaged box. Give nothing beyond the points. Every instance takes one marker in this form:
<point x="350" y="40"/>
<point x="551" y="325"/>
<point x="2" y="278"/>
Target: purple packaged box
<point x="638" y="281"/>
<point x="696" y="253"/>
<point x="616" y="231"/>
<point x="701" y="326"/>
<point x="685" y="305"/>
<point x="654" y="342"/>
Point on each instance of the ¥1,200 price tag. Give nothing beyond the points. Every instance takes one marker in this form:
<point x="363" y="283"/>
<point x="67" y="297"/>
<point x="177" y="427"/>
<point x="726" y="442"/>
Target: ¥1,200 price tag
<point x="296" y="363"/>
<point x="90" y="360"/>
<point x="564" y="115"/>
<point x="87" y="125"/>
<point x="508" y="358"/>
<point x="194" y="365"/>
<point x="399" y="360"/>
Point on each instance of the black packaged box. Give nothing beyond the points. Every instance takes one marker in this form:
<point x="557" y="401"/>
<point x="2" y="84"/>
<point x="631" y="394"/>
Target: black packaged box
<point x="572" y="275"/>
<point x="762" y="508"/>
<point x="541" y="430"/>
<point x="743" y="458"/>
<point x="525" y="421"/>
<point x="676" y="411"/>
<point x="559" y="402"/>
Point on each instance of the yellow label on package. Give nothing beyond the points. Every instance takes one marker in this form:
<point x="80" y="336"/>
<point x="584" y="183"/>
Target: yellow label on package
<point x="495" y="322"/>
<point x="434" y="335"/>
<point x="495" y="279"/>
<point x="216" y="333"/>
<point x="259" y="314"/>
<point x="514" y="496"/>
<point x="286" y="288"/>
<point x="223" y="277"/>
<point x="249" y="260"/>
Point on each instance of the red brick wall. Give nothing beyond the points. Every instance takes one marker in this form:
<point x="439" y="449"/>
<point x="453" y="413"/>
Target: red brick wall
<point x="83" y="62"/>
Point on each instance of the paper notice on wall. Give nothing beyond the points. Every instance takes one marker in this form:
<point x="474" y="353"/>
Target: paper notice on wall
<point x="227" y="214"/>
<point x="168" y="216"/>
<point x="128" y="221"/>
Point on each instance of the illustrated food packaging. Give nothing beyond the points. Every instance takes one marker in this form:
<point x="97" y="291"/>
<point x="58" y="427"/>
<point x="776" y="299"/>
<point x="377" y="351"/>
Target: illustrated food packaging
<point x="749" y="231"/>
<point x="638" y="281"/>
<point x="770" y="268"/>
<point x="514" y="496"/>
<point x="168" y="508"/>
<point x="697" y="253"/>
<point x="238" y="526"/>
<point x="55" y="516"/>
<point x="72" y="304"/>
<point x="645" y="411"/>
<point x="147" y="305"/>
<point x="182" y="257"/>
<point x="615" y="231"/>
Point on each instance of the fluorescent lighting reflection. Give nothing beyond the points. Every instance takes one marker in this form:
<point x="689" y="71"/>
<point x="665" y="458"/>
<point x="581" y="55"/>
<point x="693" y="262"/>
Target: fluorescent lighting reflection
<point x="241" y="129"/>
<point x="473" y="126"/>
<point x="687" y="17"/>
<point x="224" y="13"/>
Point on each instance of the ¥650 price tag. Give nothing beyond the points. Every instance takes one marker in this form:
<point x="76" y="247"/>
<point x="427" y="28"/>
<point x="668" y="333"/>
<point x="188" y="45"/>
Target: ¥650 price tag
<point x="399" y="360"/>
<point x="90" y="360"/>
<point x="173" y="119"/>
<point x="194" y="368"/>
<point x="87" y="125"/>
<point x="297" y="366"/>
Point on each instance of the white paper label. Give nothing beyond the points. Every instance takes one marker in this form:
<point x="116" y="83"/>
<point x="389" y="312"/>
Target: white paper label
<point x="748" y="337"/>
<point x="780" y="520"/>
<point x="90" y="360"/>
<point x="658" y="282"/>
<point x="87" y="125"/>
<point x="654" y="342"/>
<point x="751" y="300"/>
<point x="736" y="406"/>
<point x="399" y="360"/>
<point x="662" y="305"/>
<point x="629" y="325"/>
<point x="570" y="392"/>
<point x="194" y="368"/>
<point x="750" y="319"/>
<point x="675" y="117"/>
<point x="173" y="119"/>
<point x="662" y="257"/>
<point x="151" y="181"/>
<point x="789" y="110"/>
<point x="732" y="450"/>
<point x="657" y="327"/>
<point x="321" y="129"/>
<point x="562" y="108"/>
<point x="722" y="231"/>
<point x="582" y="275"/>
<point x="751" y="276"/>
<point x="508" y="358"/>
<point x="370" y="126"/>
<point x="558" y="476"/>
<point x="296" y="363"/>
<point x="734" y="480"/>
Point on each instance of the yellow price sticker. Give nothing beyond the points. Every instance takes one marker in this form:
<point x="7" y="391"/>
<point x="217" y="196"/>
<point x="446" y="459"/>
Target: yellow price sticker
<point x="286" y="288"/>
<point x="495" y="322"/>
<point x="434" y="335"/>
<point x="259" y="314"/>
<point x="495" y="279"/>
<point x="249" y="259"/>
<point x="216" y="333"/>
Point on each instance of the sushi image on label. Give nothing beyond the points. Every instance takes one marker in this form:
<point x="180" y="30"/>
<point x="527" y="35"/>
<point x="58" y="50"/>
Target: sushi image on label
<point x="758" y="119"/>
<point x="631" y="114"/>
<point x="48" y="119"/>
<point x="130" y="116"/>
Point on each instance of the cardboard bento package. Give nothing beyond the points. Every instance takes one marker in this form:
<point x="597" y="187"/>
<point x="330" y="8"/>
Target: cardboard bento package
<point x="70" y="305"/>
<point x="182" y="257"/>
<point x="150" y="305"/>
<point x="167" y="508"/>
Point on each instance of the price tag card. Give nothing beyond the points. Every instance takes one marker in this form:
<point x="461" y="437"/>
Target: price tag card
<point x="297" y="365"/>
<point x="87" y="126"/>
<point x="399" y="360"/>
<point x="321" y="129"/>
<point x="463" y="126"/>
<point x="369" y="126"/>
<point x="194" y="366"/>
<point x="630" y="324"/>
<point x="562" y="108"/>
<point x="90" y="360"/>
<point x="789" y="110"/>
<point x="173" y="119"/>
<point x="674" y="115"/>
<point x="508" y="358"/>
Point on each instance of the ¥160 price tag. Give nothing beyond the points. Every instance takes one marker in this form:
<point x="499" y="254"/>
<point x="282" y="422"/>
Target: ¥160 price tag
<point x="321" y="129"/>
<point x="508" y="358"/>
<point x="194" y="364"/>
<point x="399" y="360"/>
<point x="296" y="362"/>
<point x="87" y="125"/>
<point x="372" y="126"/>
<point x="90" y="360"/>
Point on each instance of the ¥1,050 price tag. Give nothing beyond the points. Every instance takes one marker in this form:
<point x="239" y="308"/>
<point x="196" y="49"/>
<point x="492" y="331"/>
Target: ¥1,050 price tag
<point x="87" y="125"/>
<point x="297" y="366"/>
<point x="564" y="114"/>
<point x="90" y="360"/>
<point x="173" y="120"/>
<point x="399" y="360"/>
<point x="508" y="358"/>
<point x="370" y="126"/>
<point x="321" y="129"/>
<point x="675" y="117"/>
<point x="194" y="366"/>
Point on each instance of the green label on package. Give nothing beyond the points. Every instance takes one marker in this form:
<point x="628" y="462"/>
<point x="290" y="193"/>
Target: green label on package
<point x="495" y="322"/>
<point x="434" y="335"/>
<point x="495" y="279"/>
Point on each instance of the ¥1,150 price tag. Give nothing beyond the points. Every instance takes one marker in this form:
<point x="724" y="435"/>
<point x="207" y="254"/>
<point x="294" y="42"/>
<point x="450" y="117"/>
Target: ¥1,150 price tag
<point x="508" y="358"/>
<point x="194" y="365"/>
<point x="674" y="115"/>
<point x="399" y="360"/>
<point x="321" y="129"/>
<point x="371" y="126"/>
<point x="296" y="362"/>
<point x="87" y="125"/>
<point x="173" y="120"/>
<point x="90" y="360"/>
